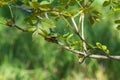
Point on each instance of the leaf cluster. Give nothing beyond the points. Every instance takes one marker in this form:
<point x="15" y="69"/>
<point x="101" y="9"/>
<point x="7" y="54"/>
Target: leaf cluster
<point x="102" y="47"/>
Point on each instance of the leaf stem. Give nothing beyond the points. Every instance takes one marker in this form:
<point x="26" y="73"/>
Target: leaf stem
<point x="11" y="12"/>
<point x="74" y="23"/>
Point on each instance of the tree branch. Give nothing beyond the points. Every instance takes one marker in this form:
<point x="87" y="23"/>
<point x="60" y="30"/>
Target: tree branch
<point x="21" y="29"/>
<point x="82" y="28"/>
<point x="95" y="56"/>
<point x="74" y="23"/>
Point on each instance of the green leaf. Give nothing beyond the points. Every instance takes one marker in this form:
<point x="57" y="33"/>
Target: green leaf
<point x="117" y="21"/>
<point x="46" y="24"/>
<point x="116" y="9"/>
<point x="91" y="20"/>
<point x="107" y="51"/>
<point x="96" y="13"/>
<point x="104" y="47"/>
<point x="118" y="27"/>
<point x="34" y="4"/>
<point x="106" y="3"/>
<point x="2" y="3"/>
<point x="73" y="11"/>
<point x="96" y="18"/>
<point x="2" y="21"/>
<point x="31" y="29"/>
<point x="34" y="0"/>
<point x="99" y="45"/>
<point x="74" y="43"/>
<point x="45" y="2"/>
<point x="35" y="34"/>
<point x="66" y="35"/>
<point x="89" y="3"/>
<point x="69" y="36"/>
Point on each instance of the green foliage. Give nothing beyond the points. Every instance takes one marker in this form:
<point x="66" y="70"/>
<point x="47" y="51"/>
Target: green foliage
<point x="40" y="60"/>
<point x="117" y="22"/>
<point x="106" y="3"/>
<point x="102" y="47"/>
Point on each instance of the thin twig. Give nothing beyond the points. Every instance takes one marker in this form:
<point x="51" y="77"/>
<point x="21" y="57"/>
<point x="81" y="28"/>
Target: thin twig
<point x="72" y="50"/>
<point x="78" y="14"/>
<point x="67" y="22"/>
<point x="79" y="3"/>
<point x="79" y="23"/>
<point x="83" y="36"/>
<point x="11" y="12"/>
<point x="74" y="23"/>
<point x="21" y="29"/>
<point x="46" y="15"/>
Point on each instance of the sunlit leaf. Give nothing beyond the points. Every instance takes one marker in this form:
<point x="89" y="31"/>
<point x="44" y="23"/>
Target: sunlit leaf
<point x="2" y="3"/>
<point x="116" y="9"/>
<point x="45" y="2"/>
<point x="74" y="43"/>
<point x="104" y="47"/>
<point x="96" y="18"/>
<point x="99" y="45"/>
<point x="66" y="35"/>
<point x="69" y="36"/>
<point x="106" y="51"/>
<point x="48" y="23"/>
<point x="31" y="29"/>
<point x="36" y="34"/>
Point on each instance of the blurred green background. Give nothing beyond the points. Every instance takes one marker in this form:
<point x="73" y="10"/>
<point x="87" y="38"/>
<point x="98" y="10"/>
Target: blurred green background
<point x="24" y="59"/>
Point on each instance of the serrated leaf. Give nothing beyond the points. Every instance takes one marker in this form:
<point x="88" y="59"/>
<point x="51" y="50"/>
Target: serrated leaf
<point x="47" y="23"/>
<point x="117" y="21"/>
<point x="118" y="27"/>
<point x="35" y="34"/>
<point x="106" y="3"/>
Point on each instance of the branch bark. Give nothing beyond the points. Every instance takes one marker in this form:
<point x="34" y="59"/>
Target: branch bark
<point x="95" y="56"/>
